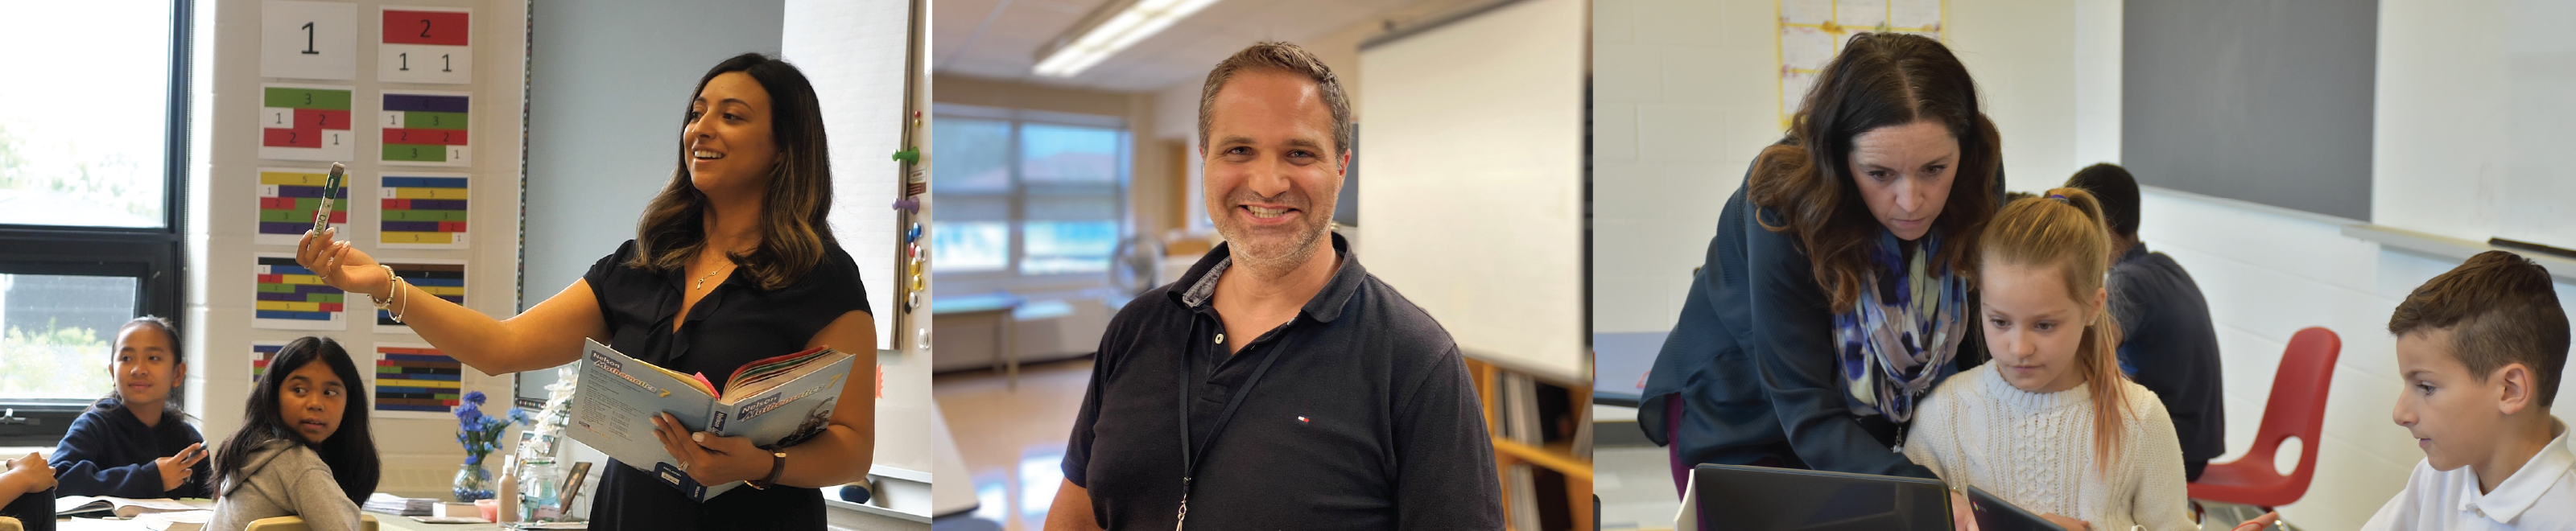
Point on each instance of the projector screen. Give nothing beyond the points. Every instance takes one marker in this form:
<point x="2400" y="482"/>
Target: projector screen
<point x="1473" y="206"/>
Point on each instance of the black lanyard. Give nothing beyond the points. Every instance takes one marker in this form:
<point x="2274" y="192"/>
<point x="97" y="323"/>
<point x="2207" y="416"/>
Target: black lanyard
<point x="1190" y="459"/>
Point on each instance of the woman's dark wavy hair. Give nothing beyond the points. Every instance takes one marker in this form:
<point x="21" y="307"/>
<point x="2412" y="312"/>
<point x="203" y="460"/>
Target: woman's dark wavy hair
<point x="351" y="451"/>
<point x="1879" y="80"/>
<point x="178" y="358"/>
<point x="794" y="228"/>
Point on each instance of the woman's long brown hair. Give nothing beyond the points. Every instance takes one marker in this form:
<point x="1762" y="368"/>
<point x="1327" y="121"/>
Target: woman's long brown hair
<point x="1879" y="80"/>
<point x="794" y="224"/>
<point x="2072" y="236"/>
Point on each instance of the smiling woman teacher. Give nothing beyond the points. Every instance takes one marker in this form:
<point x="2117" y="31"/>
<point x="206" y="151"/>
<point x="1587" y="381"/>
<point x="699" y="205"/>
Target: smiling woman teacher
<point x="1835" y="292"/>
<point x="733" y="262"/>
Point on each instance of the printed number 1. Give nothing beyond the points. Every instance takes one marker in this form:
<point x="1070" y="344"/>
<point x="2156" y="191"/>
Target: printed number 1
<point x="445" y="64"/>
<point x="406" y="60"/>
<point x="308" y="39"/>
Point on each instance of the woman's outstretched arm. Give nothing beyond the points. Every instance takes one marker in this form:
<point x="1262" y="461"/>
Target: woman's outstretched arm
<point x="547" y="335"/>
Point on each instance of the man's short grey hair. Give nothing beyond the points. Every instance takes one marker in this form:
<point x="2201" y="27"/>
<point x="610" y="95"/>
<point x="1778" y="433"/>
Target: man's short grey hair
<point x="1284" y="57"/>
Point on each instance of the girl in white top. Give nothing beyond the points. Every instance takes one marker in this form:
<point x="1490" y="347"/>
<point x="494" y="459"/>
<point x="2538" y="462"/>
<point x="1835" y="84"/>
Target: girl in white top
<point x="2050" y="424"/>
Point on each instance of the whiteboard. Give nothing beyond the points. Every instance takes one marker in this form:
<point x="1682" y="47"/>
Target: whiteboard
<point x="1473" y="203"/>
<point x="2471" y="131"/>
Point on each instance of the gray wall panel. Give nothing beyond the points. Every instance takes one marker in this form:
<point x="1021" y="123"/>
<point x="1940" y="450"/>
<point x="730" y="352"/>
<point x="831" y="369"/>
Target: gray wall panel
<point x="2265" y="101"/>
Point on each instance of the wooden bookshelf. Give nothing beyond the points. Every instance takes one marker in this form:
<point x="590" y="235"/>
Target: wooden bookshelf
<point x="1561" y="457"/>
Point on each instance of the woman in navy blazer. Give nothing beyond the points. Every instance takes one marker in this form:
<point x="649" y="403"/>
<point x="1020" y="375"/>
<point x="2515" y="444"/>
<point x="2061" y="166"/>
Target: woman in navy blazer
<point x="1888" y="164"/>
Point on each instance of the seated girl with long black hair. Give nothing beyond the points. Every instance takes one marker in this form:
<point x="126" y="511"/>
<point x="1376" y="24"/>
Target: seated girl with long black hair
<point x="303" y="448"/>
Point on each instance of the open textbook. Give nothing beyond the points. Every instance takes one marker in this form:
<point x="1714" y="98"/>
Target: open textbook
<point x="105" y="506"/>
<point x="775" y="402"/>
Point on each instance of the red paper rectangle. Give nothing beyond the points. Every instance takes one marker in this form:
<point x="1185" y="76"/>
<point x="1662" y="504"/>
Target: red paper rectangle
<point x="331" y="306"/>
<point x="451" y="226"/>
<point x="277" y="203"/>
<point x="397" y="204"/>
<point x="272" y="279"/>
<point x="426" y="137"/>
<point x="321" y="119"/>
<point x="302" y="138"/>
<point x="448" y="28"/>
<point x="339" y="216"/>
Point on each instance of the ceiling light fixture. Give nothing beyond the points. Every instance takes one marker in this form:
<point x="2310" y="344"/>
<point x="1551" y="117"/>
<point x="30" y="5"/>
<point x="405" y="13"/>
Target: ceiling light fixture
<point x="1110" y="29"/>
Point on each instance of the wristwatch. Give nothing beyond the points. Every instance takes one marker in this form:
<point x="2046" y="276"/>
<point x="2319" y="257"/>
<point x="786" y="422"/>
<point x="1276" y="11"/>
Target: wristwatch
<point x="777" y="466"/>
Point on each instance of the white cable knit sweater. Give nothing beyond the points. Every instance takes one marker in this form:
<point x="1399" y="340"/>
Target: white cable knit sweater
<point x="2036" y="451"/>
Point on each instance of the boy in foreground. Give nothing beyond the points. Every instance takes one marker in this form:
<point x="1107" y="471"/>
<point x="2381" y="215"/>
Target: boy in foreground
<point x="2480" y="349"/>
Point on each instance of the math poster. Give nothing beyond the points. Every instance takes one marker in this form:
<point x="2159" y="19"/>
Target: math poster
<point x="260" y="353"/>
<point x="416" y="381"/>
<point x="290" y="297"/>
<point x="421" y="210"/>
<point x="308" y="40"/>
<point x="444" y="279"/>
<point x="305" y="122"/>
<point x="426" y="45"/>
<point x="425" y="128"/>
<point x="288" y="198"/>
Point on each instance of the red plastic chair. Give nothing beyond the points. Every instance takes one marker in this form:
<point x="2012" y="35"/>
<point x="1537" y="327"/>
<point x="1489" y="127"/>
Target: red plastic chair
<point x="2297" y="408"/>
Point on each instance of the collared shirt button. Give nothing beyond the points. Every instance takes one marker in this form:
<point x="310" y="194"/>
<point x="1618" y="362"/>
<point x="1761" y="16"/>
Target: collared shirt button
<point x="1220" y="338"/>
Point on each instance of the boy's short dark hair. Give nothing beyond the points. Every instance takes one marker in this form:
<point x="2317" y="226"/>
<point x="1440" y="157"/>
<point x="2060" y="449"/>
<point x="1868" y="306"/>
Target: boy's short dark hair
<point x="2500" y="309"/>
<point x="2112" y="186"/>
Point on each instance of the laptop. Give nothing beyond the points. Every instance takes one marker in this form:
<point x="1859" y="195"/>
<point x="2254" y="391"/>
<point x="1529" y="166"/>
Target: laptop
<point x="1995" y="514"/>
<point x="1752" y="498"/>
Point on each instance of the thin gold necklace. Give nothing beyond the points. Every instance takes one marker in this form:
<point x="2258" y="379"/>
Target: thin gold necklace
<point x="702" y="280"/>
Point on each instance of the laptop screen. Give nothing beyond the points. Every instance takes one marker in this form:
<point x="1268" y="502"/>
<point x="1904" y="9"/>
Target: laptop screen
<point x="1745" y="498"/>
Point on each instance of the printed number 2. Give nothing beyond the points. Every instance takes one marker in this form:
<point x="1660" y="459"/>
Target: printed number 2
<point x="308" y="39"/>
<point x="424" y="28"/>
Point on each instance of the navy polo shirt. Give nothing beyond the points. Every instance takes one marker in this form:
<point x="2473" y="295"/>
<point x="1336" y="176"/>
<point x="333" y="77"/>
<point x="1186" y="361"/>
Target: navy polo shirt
<point x="1367" y="420"/>
<point x="2169" y="346"/>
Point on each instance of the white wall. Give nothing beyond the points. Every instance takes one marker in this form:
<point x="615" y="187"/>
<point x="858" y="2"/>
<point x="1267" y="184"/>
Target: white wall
<point x="1682" y="101"/>
<point x="2470" y="126"/>
<point x="853" y="52"/>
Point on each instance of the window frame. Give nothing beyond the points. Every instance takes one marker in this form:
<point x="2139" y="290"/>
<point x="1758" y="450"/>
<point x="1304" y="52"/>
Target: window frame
<point x="1009" y="276"/>
<point x="153" y="256"/>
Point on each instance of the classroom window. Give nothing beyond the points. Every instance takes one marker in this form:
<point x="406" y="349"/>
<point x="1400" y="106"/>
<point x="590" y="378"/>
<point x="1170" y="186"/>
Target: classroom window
<point x="93" y="169"/>
<point x="1027" y="194"/>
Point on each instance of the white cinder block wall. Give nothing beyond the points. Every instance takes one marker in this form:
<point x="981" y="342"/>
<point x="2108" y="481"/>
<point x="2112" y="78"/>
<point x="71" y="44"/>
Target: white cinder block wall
<point x="1681" y="104"/>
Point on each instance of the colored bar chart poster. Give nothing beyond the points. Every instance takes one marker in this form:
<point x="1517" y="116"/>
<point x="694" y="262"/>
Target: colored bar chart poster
<point x="416" y="381"/>
<point x="290" y="297"/>
<point x="421" y="211"/>
<point x="287" y="199"/>
<point x="425" y="128"/>
<point x="444" y="279"/>
<point x="305" y="122"/>
<point x="260" y="352"/>
<point x="426" y="45"/>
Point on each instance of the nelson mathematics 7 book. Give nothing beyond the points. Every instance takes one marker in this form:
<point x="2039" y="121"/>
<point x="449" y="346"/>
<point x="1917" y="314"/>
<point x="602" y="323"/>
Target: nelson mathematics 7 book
<point x="776" y="402"/>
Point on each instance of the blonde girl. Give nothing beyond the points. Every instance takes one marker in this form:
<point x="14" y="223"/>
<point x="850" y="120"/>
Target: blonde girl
<point x="2050" y="424"/>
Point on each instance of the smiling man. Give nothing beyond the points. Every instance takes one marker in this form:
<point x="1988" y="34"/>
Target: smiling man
<point x="1277" y="383"/>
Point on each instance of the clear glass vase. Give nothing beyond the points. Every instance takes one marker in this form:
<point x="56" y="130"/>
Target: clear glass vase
<point x="473" y="482"/>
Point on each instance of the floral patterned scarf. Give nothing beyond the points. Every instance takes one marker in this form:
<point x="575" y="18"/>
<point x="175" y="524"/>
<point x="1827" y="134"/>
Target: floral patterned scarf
<point x="1903" y="330"/>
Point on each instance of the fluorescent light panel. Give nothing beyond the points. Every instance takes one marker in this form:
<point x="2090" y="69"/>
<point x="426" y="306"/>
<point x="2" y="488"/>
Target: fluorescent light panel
<point x="1138" y="21"/>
